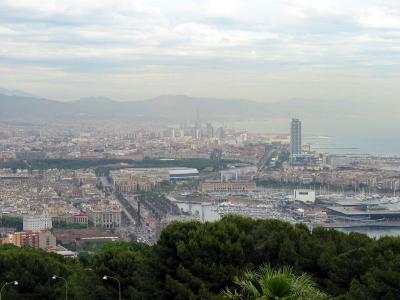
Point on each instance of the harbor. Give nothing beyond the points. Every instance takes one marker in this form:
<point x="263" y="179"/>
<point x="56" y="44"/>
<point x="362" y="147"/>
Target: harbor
<point x="372" y="214"/>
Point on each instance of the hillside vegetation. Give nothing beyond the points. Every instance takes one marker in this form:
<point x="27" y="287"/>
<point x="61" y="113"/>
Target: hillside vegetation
<point x="200" y="261"/>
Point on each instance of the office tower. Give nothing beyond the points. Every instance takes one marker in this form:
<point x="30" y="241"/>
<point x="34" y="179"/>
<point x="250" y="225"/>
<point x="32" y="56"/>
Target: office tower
<point x="220" y="134"/>
<point x="295" y="137"/>
<point x="196" y="130"/>
<point x="210" y="131"/>
<point x="198" y="122"/>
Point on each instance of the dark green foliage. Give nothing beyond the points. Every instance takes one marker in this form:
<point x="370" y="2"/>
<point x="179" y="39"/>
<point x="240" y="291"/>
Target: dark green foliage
<point x="134" y="264"/>
<point x="33" y="269"/>
<point x="207" y="256"/>
<point x="216" y="157"/>
<point x="11" y="222"/>
<point x="101" y="164"/>
<point x="198" y="261"/>
<point x="274" y="284"/>
<point x="65" y="225"/>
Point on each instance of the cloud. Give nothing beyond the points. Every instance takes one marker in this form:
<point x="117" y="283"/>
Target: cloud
<point x="378" y="17"/>
<point x="192" y="37"/>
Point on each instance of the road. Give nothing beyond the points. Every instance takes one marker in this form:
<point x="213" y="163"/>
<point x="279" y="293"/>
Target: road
<point x="107" y="184"/>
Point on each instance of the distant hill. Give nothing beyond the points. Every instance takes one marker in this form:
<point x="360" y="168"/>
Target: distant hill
<point x="183" y="108"/>
<point x="15" y="93"/>
<point x="161" y="108"/>
<point x="28" y="108"/>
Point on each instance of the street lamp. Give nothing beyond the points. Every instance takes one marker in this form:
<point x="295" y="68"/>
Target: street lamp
<point x="106" y="277"/>
<point x="7" y="283"/>
<point x="54" y="277"/>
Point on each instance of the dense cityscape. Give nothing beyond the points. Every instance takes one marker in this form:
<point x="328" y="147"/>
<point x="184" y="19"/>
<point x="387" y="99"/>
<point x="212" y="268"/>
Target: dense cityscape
<point x="72" y="191"/>
<point x="99" y="186"/>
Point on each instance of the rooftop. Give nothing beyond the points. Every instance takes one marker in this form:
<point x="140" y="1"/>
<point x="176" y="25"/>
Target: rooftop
<point x="353" y="211"/>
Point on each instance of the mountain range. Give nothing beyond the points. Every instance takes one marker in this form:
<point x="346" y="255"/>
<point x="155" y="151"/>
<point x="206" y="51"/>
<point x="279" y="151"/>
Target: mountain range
<point x="368" y="125"/>
<point x="346" y="118"/>
<point x="23" y="107"/>
<point x="162" y="108"/>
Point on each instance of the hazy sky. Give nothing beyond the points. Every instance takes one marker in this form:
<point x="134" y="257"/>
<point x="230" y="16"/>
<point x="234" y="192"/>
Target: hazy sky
<point x="262" y="50"/>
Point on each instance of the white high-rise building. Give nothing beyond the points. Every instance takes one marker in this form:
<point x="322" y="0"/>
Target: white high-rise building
<point x="37" y="223"/>
<point x="295" y="137"/>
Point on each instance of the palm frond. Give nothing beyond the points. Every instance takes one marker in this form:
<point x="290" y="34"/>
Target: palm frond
<point x="269" y="283"/>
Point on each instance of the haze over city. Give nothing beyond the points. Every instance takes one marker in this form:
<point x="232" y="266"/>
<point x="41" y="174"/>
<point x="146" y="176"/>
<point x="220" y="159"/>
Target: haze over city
<point x="327" y="54"/>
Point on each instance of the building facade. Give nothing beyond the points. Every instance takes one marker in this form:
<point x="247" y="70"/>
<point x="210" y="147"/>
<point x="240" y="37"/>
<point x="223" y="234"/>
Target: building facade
<point x="183" y="174"/>
<point x="227" y="186"/>
<point x="307" y="196"/>
<point x="37" y="223"/>
<point x="295" y="137"/>
<point x="47" y="240"/>
<point x="43" y="239"/>
<point x="105" y="215"/>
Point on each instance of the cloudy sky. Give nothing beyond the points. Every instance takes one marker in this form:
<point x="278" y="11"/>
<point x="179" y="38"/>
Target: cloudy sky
<point x="264" y="50"/>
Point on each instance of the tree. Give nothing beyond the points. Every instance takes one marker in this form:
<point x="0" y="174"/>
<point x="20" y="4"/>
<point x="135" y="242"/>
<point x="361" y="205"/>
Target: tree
<point x="194" y="260"/>
<point x="133" y="264"/>
<point x="269" y="283"/>
<point x="216" y="157"/>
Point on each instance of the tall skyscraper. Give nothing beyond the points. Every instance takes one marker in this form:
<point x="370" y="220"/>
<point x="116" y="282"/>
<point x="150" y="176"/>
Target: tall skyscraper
<point x="198" y="122"/>
<point x="210" y="131"/>
<point x="197" y="127"/>
<point x="295" y="137"/>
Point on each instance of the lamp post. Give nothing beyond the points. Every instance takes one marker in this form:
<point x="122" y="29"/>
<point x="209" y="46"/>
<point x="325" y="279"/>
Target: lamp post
<point x="106" y="277"/>
<point x="7" y="283"/>
<point x="54" y="277"/>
